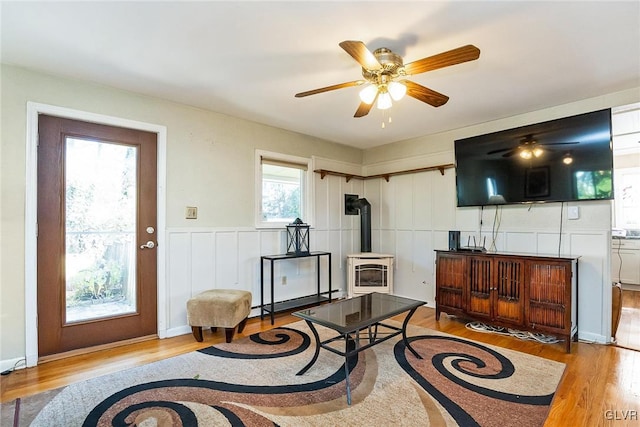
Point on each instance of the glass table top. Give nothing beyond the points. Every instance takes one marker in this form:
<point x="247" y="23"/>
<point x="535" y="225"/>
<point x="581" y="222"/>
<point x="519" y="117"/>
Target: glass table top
<point x="358" y="312"/>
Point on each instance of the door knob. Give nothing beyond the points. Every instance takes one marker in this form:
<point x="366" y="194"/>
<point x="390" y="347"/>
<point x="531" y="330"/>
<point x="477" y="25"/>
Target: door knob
<point x="148" y="245"/>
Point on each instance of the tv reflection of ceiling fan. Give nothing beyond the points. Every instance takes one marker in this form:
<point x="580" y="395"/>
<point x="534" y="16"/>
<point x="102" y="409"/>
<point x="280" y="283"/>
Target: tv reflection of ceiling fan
<point x="529" y="148"/>
<point x="384" y="75"/>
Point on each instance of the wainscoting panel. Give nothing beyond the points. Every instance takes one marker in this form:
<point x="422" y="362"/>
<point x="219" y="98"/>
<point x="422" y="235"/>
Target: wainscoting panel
<point x="521" y="242"/>
<point x="211" y="258"/>
<point x="203" y="265"/>
<point x="321" y="191"/>
<point x="335" y="201"/>
<point x="248" y="262"/>
<point x="387" y="207"/>
<point x="413" y="277"/>
<point x="552" y="243"/>
<point x="271" y="242"/>
<point x="443" y="202"/>
<point x="226" y="261"/>
<point x="595" y="274"/>
<point x="404" y="186"/>
<point x="423" y="200"/>
<point x="179" y="284"/>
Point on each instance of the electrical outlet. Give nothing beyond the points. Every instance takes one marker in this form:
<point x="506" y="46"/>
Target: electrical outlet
<point x="191" y="212"/>
<point x="284" y="280"/>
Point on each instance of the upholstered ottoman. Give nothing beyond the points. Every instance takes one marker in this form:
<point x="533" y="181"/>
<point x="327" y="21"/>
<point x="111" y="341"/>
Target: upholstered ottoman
<point x="219" y="308"/>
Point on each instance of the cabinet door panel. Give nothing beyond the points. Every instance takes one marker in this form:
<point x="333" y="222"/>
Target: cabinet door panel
<point x="509" y="284"/>
<point x="549" y="294"/>
<point x="450" y="281"/>
<point x="480" y="287"/>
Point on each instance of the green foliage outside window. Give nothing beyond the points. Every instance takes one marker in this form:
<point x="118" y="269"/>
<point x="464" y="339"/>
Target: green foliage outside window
<point x="594" y="185"/>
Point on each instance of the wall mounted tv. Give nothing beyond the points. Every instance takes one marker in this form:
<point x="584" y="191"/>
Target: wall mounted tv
<point x="561" y="160"/>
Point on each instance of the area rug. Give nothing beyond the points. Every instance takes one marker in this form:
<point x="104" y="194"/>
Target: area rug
<point x="252" y="382"/>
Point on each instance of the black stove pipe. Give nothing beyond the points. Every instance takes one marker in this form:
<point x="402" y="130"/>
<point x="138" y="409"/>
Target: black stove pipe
<point x="365" y="223"/>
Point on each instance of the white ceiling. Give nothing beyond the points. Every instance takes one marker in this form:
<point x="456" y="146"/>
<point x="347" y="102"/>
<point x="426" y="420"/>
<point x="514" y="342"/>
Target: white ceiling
<point x="248" y="59"/>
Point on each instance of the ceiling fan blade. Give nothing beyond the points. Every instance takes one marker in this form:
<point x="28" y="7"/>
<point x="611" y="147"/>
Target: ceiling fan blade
<point x="363" y="109"/>
<point x="360" y="53"/>
<point x="559" y="143"/>
<point x="510" y="153"/>
<point x="329" y="88"/>
<point x="444" y="59"/>
<point x="424" y="94"/>
<point x="502" y="150"/>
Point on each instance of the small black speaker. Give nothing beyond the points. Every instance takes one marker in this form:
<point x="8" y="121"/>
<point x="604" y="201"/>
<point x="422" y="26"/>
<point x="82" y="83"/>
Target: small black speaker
<point x="454" y="240"/>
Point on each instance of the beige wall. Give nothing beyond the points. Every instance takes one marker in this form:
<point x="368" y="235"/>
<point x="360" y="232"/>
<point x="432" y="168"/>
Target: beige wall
<point x="210" y="164"/>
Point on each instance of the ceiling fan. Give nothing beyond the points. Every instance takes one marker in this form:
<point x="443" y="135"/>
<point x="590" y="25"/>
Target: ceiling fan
<point x="528" y="148"/>
<point x="384" y="73"/>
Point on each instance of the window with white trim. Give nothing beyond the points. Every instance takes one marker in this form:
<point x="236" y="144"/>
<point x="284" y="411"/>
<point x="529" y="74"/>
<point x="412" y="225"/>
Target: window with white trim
<point x="627" y="198"/>
<point x="282" y="189"/>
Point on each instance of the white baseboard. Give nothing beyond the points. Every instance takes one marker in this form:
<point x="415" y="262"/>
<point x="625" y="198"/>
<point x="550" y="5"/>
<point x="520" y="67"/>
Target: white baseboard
<point x="177" y="331"/>
<point x="594" y="338"/>
<point x="10" y="363"/>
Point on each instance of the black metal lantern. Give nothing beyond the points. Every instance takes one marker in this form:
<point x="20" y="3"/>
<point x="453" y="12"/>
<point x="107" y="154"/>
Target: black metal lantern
<point x="298" y="238"/>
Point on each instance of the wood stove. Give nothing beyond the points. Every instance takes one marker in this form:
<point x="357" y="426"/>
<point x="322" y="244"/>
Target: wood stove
<point x="369" y="272"/>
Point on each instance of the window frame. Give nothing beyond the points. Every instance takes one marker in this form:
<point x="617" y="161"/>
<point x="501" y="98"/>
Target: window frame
<point x="307" y="187"/>
<point x="619" y="219"/>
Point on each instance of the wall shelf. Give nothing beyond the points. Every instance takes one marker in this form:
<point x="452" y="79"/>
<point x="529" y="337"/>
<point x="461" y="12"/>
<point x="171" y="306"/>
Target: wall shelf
<point x="386" y="176"/>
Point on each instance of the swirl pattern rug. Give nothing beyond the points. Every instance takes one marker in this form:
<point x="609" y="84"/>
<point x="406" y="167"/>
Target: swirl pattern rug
<point x="252" y="382"/>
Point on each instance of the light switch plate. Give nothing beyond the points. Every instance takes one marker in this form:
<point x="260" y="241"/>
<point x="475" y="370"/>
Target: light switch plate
<point x="191" y="212"/>
<point x="573" y="212"/>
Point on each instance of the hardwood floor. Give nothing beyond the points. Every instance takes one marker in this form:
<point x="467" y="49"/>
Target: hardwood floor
<point x="600" y="387"/>
<point x="628" y="334"/>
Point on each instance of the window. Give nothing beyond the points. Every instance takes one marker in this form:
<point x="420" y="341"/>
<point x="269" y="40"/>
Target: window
<point x="627" y="198"/>
<point x="282" y="189"/>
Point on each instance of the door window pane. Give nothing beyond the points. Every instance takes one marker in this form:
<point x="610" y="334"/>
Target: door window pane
<point x="100" y="229"/>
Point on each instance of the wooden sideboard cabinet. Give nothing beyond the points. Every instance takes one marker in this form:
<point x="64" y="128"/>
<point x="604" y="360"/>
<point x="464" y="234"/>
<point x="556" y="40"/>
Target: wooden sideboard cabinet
<point x="524" y="292"/>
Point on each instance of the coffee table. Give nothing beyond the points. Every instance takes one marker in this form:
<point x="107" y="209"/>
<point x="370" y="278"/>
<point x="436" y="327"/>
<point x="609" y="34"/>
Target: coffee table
<point x="363" y="314"/>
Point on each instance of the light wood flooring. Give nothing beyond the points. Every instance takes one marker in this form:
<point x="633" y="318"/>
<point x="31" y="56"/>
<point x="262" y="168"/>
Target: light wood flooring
<point x="628" y="334"/>
<point x="600" y="387"/>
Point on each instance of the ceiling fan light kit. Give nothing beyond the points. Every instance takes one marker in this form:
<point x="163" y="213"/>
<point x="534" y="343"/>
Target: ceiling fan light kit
<point x="385" y="72"/>
<point x="397" y="90"/>
<point x="368" y="94"/>
<point x="384" y="100"/>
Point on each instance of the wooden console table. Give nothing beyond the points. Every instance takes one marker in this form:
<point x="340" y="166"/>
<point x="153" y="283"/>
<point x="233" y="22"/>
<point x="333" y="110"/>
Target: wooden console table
<point x="527" y="292"/>
<point x="272" y="307"/>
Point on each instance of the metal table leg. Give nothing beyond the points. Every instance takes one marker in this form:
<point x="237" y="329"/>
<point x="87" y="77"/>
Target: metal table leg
<point x="347" y="338"/>
<point x="315" y="355"/>
<point x="404" y="333"/>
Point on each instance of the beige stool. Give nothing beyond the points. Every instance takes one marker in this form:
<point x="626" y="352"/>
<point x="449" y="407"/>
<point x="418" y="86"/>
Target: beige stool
<point x="219" y="308"/>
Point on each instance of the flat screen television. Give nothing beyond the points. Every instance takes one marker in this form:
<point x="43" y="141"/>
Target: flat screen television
<point x="561" y="160"/>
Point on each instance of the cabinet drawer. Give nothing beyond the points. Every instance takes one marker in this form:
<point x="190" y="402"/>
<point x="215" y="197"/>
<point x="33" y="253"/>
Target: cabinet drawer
<point x="629" y="244"/>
